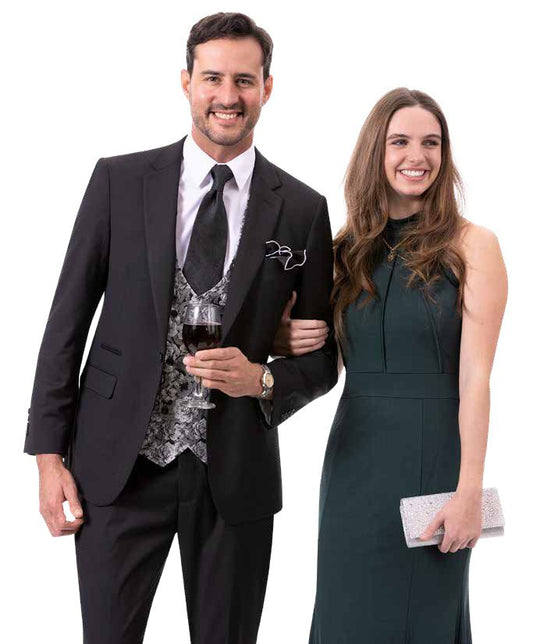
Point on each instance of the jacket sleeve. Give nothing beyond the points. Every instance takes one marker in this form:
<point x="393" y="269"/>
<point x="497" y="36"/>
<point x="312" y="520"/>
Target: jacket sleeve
<point x="81" y="284"/>
<point x="299" y="380"/>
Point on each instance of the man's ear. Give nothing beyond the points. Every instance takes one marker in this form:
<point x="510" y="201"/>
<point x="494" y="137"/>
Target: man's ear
<point x="185" y="82"/>
<point x="268" y="89"/>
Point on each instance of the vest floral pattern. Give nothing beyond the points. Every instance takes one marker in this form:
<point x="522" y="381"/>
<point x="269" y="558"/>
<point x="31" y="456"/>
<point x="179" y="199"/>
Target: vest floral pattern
<point x="174" y="427"/>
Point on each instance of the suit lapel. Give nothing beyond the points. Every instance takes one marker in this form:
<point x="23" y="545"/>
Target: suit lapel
<point x="160" y="208"/>
<point x="262" y="214"/>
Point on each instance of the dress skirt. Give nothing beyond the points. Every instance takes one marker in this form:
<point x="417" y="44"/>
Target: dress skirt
<point x="393" y="436"/>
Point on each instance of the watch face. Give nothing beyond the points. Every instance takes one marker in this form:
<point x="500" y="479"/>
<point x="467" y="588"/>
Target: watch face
<point x="269" y="380"/>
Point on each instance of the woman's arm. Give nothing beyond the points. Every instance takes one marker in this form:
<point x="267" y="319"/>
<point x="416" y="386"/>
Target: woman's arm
<point x="485" y="295"/>
<point x="297" y="337"/>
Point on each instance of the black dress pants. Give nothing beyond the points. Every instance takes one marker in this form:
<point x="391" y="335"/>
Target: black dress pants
<point x="121" y="550"/>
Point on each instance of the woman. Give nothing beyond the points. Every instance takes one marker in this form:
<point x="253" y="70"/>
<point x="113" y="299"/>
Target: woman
<point x="418" y="297"/>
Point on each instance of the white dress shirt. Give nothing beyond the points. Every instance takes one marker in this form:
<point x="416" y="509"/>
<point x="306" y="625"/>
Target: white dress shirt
<point x="196" y="181"/>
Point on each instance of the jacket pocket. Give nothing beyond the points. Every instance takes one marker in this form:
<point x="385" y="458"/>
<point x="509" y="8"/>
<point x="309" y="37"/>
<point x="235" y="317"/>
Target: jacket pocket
<point x="99" y="381"/>
<point x="108" y="347"/>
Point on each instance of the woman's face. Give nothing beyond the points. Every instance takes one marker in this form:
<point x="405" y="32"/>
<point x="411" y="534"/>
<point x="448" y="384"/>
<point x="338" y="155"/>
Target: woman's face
<point x="412" y="152"/>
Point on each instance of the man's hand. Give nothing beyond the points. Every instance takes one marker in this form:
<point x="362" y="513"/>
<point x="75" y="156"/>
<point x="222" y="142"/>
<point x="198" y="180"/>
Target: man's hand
<point x="57" y="485"/>
<point x="297" y="337"/>
<point x="228" y="370"/>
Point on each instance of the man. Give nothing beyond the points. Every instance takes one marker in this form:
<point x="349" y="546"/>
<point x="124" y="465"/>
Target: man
<point x="155" y="230"/>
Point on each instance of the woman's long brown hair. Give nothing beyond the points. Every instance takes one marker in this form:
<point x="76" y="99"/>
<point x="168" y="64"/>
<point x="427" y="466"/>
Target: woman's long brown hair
<point x="430" y="245"/>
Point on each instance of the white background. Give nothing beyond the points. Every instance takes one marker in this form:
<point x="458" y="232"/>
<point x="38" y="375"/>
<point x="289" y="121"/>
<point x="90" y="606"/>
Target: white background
<point x="83" y="80"/>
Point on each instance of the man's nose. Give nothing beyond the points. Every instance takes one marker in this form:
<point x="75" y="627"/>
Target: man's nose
<point x="228" y="94"/>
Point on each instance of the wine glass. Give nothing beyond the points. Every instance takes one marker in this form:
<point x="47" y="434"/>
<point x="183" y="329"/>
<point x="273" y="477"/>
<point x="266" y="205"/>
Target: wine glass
<point x="202" y="329"/>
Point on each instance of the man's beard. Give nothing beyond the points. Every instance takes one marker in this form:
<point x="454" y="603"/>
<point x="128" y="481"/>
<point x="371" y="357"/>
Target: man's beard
<point x="219" y="137"/>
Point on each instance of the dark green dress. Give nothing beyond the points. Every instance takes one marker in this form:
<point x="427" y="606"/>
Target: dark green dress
<point x="395" y="434"/>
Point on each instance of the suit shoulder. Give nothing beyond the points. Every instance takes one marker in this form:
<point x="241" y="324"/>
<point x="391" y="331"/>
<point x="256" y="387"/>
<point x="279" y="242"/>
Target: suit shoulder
<point x="142" y="158"/>
<point x="294" y="185"/>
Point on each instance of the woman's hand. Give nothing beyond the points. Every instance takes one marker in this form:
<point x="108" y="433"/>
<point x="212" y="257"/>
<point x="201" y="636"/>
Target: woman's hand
<point x="296" y="337"/>
<point x="461" y="517"/>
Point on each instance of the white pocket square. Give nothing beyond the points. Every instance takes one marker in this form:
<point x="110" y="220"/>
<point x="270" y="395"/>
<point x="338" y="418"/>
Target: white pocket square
<point x="289" y="258"/>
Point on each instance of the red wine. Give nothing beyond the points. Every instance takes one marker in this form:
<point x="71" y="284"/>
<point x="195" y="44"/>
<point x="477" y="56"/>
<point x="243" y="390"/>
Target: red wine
<point x="201" y="336"/>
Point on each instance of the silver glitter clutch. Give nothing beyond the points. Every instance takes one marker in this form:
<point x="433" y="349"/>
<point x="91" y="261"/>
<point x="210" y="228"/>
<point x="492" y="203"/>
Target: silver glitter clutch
<point x="417" y="512"/>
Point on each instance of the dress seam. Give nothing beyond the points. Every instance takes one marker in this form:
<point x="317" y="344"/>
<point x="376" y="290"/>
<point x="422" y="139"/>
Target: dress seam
<point x="434" y="332"/>
<point x="383" y="308"/>
<point x="413" y="561"/>
<point x="346" y="397"/>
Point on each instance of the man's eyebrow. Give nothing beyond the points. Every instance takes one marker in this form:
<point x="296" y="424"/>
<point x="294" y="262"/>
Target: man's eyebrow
<point x="209" y="72"/>
<point x="405" y="136"/>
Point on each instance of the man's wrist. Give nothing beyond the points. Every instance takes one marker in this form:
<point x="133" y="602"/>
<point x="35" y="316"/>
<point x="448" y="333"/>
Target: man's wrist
<point x="48" y="460"/>
<point x="258" y="374"/>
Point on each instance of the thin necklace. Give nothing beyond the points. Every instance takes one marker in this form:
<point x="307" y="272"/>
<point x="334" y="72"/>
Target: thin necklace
<point x="392" y="249"/>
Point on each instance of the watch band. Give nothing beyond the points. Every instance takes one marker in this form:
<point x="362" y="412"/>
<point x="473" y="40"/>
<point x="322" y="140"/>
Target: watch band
<point x="267" y="382"/>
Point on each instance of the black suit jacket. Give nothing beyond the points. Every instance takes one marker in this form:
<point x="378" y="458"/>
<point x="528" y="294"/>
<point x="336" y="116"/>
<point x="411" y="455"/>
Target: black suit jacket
<point x="123" y="246"/>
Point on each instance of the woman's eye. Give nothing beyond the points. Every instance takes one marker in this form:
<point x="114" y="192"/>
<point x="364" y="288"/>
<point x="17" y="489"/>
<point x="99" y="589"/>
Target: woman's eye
<point x="431" y="143"/>
<point x="399" y="142"/>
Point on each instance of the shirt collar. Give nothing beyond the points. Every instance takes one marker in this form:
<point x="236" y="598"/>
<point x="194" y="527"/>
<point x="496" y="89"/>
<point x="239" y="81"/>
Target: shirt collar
<point x="197" y="164"/>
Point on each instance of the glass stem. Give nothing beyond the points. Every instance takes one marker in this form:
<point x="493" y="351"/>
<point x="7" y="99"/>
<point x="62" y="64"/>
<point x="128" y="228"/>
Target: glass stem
<point x="198" y="391"/>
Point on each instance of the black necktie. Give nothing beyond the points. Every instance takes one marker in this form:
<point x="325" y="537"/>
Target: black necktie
<point x="204" y="264"/>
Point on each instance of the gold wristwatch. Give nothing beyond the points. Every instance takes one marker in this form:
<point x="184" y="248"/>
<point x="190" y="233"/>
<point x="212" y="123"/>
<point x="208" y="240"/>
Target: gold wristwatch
<point x="267" y="382"/>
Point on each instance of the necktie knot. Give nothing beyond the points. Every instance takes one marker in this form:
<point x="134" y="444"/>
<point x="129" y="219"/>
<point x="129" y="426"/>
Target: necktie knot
<point x="221" y="175"/>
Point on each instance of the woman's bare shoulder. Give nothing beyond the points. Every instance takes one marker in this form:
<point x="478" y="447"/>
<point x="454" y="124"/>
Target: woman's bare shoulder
<point x="477" y="242"/>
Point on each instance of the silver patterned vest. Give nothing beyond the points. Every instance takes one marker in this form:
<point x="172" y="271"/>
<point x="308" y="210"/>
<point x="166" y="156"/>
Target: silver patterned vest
<point x="173" y="427"/>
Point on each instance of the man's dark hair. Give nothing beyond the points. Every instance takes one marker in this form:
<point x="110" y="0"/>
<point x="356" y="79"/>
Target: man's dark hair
<point x="229" y="25"/>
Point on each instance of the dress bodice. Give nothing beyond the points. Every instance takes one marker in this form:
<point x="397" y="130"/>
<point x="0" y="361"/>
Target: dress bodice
<point x="405" y="329"/>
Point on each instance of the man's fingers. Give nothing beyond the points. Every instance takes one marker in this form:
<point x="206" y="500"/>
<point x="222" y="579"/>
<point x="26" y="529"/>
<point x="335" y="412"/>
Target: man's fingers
<point x="65" y="533"/>
<point x="71" y="495"/>
<point x="54" y="522"/>
<point x="57" y="486"/>
<point x="211" y="374"/>
<point x="59" y="526"/>
<point x="225" y="353"/>
<point x="215" y="384"/>
<point x="71" y="526"/>
<point x="289" y="306"/>
<point x="220" y="365"/>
